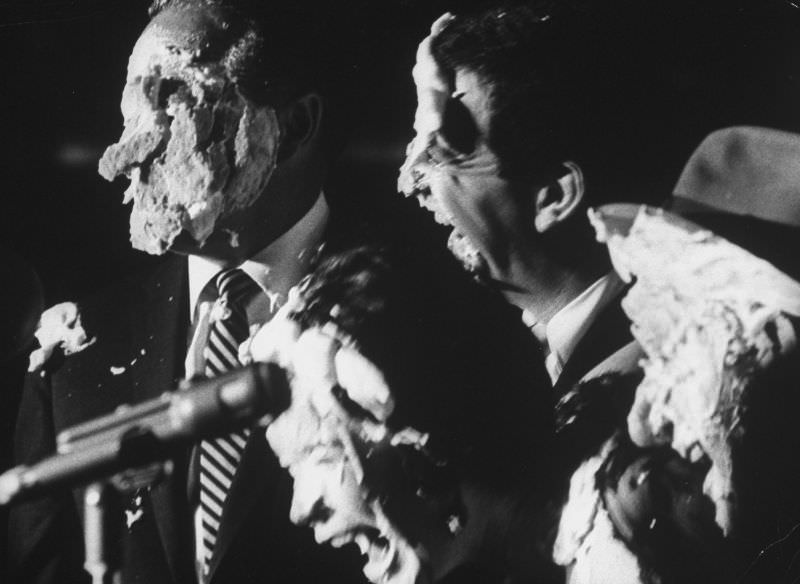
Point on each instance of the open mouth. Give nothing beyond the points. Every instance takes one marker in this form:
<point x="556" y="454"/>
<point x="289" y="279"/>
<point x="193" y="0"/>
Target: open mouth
<point x="428" y="202"/>
<point x="380" y="552"/>
<point x="463" y="248"/>
<point x="381" y="556"/>
<point x="698" y="456"/>
<point x="422" y="192"/>
<point x="458" y="243"/>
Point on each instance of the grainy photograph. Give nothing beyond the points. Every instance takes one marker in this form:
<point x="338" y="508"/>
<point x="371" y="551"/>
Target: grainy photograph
<point x="400" y="292"/>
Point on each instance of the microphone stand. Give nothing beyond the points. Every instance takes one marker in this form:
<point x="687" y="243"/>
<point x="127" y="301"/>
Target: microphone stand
<point x="102" y="517"/>
<point x="143" y="439"/>
<point x="101" y="506"/>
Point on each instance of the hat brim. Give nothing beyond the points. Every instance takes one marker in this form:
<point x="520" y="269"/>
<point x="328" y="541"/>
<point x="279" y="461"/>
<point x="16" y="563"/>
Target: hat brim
<point x="619" y="217"/>
<point x="772" y="242"/>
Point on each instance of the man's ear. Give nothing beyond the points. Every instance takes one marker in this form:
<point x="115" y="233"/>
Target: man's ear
<point x="559" y="200"/>
<point x="301" y="122"/>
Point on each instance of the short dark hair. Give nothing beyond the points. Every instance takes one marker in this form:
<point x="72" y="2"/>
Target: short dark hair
<point x="549" y="75"/>
<point x="459" y="361"/>
<point x="284" y="49"/>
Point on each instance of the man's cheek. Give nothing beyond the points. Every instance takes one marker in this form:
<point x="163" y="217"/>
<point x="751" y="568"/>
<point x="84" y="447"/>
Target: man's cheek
<point x="458" y="195"/>
<point x="444" y="187"/>
<point x="145" y="132"/>
<point x="412" y="175"/>
<point x="193" y="163"/>
<point x="180" y="188"/>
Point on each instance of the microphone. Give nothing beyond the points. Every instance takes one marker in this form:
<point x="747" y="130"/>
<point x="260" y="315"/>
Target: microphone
<point x="137" y="435"/>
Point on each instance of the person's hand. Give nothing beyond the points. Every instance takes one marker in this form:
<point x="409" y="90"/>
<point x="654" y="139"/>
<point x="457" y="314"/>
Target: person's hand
<point x="433" y="87"/>
<point x="433" y="91"/>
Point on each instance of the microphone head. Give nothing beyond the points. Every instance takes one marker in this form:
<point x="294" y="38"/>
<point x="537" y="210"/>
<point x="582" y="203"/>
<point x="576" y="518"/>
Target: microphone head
<point x="273" y="387"/>
<point x="10" y="484"/>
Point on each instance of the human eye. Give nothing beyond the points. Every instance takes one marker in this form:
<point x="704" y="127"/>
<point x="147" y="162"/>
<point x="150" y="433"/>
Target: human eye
<point x="459" y="134"/>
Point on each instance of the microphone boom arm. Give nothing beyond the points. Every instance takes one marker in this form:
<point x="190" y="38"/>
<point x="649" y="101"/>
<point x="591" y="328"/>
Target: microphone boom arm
<point x="149" y="432"/>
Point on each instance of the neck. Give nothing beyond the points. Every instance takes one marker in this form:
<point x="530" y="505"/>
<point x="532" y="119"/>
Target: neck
<point x="544" y="287"/>
<point x="502" y="531"/>
<point x="290" y="194"/>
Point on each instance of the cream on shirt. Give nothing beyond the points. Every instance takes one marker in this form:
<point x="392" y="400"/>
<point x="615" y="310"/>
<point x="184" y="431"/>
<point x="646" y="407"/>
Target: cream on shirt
<point x="568" y="326"/>
<point x="276" y="268"/>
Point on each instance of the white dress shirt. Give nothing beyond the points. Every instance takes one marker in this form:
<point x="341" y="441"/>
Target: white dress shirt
<point x="276" y="268"/>
<point x="567" y="327"/>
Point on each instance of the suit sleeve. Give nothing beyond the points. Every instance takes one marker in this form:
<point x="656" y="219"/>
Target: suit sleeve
<point x="45" y="534"/>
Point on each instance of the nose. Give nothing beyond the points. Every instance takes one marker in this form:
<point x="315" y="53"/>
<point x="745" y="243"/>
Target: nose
<point x="412" y="178"/>
<point x="318" y="512"/>
<point x="308" y="503"/>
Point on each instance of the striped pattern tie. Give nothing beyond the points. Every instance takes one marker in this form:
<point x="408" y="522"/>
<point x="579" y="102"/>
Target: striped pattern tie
<point x="219" y="458"/>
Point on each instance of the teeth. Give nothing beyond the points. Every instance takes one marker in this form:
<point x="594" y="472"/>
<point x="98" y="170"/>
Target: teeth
<point x="376" y="569"/>
<point x="381" y="559"/>
<point x="461" y="247"/>
<point x="441" y="218"/>
<point x="340" y="541"/>
<point x="362" y="541"/>
<point x="376" y="551"/>
<point x="696" y="453"/>
<point x="426" y="201"/>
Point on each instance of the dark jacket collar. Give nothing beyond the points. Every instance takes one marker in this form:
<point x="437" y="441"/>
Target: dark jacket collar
<point x="610" y="331"/>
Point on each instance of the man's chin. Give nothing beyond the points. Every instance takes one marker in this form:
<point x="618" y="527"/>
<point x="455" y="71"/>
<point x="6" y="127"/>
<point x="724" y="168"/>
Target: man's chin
<point x="185" y="244"/>
<point x="219" y="245"/>
<point x="467" y="253"/>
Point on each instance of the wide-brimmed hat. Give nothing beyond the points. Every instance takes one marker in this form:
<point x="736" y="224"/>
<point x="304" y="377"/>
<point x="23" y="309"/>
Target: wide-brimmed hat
<point x="743" y="183"/>
<point x="745" y="171"/>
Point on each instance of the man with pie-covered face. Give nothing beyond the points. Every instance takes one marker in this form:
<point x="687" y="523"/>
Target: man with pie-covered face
<point x="229" y="128"/>
<point x="509" y="152"/>
<point x="515" y="138"/>
<point x="419" y="429"/>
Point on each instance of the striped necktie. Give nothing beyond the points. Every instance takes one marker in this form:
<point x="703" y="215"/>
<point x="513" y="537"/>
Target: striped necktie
<point x="220" y="457"/>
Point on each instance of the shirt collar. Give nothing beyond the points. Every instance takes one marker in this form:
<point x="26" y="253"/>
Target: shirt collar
<point x="277" y="267"/>
<point x="568" y="326"/>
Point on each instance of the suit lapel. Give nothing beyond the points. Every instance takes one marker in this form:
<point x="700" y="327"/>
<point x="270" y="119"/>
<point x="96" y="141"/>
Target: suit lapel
<point x="610" y="331"/>
<point x="255" y="478"/>
<point x="160" y="329"/>
<point x="259" y="475"/>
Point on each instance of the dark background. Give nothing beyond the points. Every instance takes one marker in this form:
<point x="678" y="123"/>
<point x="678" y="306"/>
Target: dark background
<point x="690" y="67"/>
<point x="710" y="64"/>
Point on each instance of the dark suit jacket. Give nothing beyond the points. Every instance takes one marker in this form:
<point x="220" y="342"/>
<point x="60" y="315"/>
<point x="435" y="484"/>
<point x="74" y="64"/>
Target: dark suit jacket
<point x="141" y="325"/>
<point x="610" y="331"/>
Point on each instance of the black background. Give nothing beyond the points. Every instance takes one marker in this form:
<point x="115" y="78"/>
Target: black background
<point x="694" y="66"/>
<point x="63" y="68"/>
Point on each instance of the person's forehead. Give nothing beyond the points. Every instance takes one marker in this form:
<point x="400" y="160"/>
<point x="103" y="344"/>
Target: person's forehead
<point x="195" y="28"/>
<point x="191" y="31"/>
